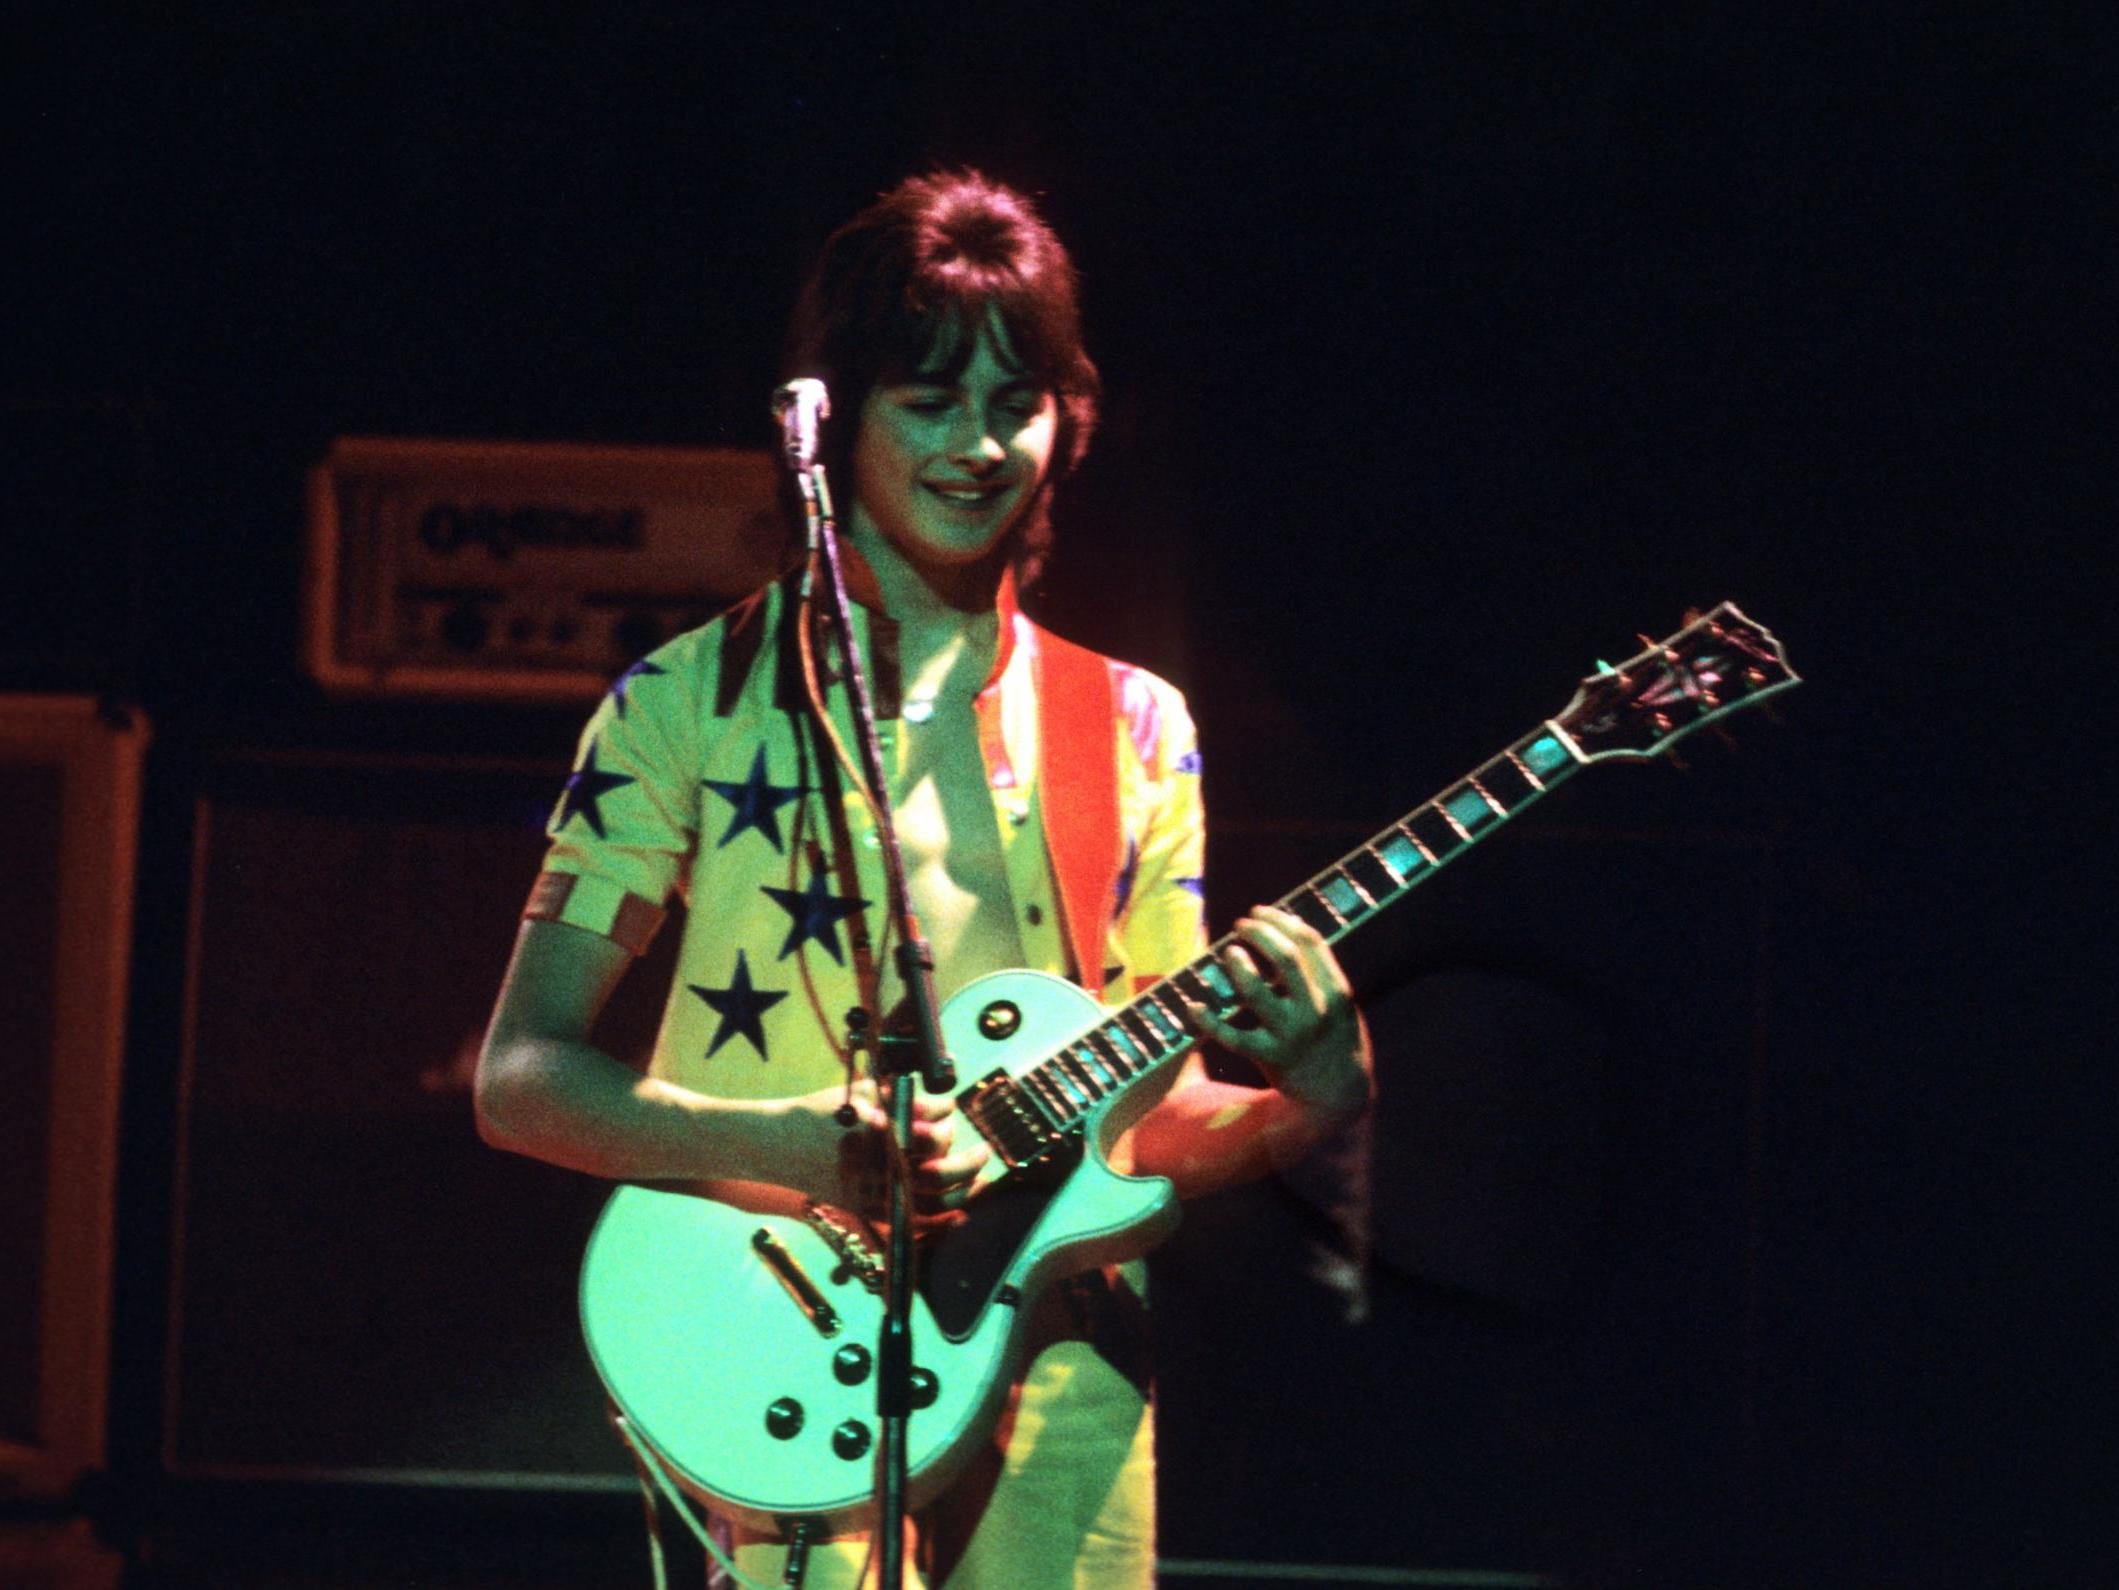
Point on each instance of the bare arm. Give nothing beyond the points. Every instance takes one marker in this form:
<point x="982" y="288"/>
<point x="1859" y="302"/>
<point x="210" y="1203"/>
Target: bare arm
<point x="545" y="1090"/>
<point x="1310" y="1041"/>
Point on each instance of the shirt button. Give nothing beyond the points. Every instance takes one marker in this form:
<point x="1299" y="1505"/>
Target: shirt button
<point x="1033" y="913"/>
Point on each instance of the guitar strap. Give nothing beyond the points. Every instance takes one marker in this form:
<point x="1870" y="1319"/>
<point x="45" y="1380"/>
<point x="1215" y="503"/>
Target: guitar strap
<point x="1077" y="703"/>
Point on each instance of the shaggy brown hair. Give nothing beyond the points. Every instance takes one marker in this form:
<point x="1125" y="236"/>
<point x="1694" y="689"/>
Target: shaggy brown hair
<point x="919" y="272"/>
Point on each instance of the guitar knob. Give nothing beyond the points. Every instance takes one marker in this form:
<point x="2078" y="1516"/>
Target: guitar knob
<point x="783" y="1420"/>
<point x="850" y="1440"/>
<point x="1000" y="1020"/>
<point x="850" y="1365"/>
<point x="925" y="1388"/>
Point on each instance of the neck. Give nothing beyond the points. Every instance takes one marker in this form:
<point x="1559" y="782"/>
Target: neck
<point x="929" y="596"/>
<point x="950" y="610"/>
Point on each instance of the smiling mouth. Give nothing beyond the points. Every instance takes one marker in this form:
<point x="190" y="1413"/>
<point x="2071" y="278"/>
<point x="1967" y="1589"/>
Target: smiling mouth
<point x="978" y="496"/>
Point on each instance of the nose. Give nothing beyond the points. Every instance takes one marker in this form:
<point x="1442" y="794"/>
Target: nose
<point x="973" y="445"/>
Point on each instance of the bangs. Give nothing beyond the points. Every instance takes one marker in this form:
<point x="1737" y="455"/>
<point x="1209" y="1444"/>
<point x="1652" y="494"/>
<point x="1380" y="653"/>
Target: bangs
<point x="931" y="335"/>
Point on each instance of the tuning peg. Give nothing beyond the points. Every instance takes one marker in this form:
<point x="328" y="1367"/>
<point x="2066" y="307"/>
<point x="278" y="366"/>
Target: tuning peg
<point x="1721" y="732"/>
<point x="1604" y="668"/>
<point x="1676" y="761"/>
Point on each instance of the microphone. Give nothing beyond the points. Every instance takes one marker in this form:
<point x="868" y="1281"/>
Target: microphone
<point x="798" y="406"/>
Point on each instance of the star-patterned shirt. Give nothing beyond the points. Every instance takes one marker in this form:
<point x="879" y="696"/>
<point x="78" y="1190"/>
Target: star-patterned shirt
<point x="700" y="776"/>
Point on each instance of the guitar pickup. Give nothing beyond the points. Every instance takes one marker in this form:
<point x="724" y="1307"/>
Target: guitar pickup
<point x="787" y="1269"/>
<point x="1009" y="1119"/>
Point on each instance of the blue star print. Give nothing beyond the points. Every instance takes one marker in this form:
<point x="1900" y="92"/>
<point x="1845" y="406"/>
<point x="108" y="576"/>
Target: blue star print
<point x="585" y="788"/>
<point x="757" y="802"/>
<point x="739" y="1006"/>
<point x="639" y="670"/>
<point x="815" y="913"/>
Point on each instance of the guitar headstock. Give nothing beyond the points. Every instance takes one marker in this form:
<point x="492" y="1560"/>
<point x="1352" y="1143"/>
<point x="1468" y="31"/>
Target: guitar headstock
<point x="1718" y="663"/>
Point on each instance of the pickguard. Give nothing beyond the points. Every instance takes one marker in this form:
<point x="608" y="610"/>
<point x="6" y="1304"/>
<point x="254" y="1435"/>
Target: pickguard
<point x="961" y="1265"/>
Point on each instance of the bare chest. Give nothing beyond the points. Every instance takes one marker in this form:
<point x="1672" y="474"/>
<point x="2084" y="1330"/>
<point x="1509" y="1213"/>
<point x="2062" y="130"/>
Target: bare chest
<point x="955" y="867"/>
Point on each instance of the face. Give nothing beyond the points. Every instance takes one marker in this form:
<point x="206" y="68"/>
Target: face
<point x="943" y="468"/>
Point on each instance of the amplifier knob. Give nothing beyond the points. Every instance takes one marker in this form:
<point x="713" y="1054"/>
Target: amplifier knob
<point x="464" y="627"/>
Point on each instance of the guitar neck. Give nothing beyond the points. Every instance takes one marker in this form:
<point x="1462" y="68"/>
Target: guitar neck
<point x="1154" y="1029"/>
<point x="1718" y="663"/>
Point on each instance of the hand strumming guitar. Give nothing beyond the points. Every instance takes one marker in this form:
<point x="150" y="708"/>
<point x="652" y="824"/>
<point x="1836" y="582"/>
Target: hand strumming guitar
<point x="843" y="1164"/>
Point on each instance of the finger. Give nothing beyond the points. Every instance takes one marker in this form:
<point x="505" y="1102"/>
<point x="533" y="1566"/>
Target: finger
<point x="1253" y="968"/>
<point x="931" y="1139"/>
<point x="1313" y="969"/>
<point x="1312" y="949"/>
<point x="1246" y="968"/>
<point x="1299" y="983"/>
<point x="1252" y="1042"/>
<point x="955" y="1169"/>
<point x="941" y="1200"/>
<point x="1272" y="933"/>
<point x="933" y="1106"/>
<point x="935" y="1192"/>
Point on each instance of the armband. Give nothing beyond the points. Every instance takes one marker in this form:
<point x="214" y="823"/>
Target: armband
<point x="597" y="905"/>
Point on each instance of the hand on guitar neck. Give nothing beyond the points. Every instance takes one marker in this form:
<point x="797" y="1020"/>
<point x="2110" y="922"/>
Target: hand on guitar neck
<point x="1309" y="1038"/>
<point x="1299" y="1025"/>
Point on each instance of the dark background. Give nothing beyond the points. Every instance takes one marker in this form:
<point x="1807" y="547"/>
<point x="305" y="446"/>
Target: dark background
<point x="1446" y="347"/>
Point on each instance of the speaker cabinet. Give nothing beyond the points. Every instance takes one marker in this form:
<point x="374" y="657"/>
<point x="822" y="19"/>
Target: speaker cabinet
<point x="70" y="789"/>
<point x="363" y="1290"/>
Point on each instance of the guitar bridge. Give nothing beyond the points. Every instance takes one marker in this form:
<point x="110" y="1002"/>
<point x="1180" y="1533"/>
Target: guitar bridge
<point x="1010" y="1120"/>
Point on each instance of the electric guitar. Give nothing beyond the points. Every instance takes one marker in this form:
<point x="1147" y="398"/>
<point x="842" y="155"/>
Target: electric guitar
<point x="738" y="1337"/>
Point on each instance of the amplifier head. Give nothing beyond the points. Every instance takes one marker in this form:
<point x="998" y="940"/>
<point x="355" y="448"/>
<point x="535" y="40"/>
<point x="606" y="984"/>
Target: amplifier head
<point x="524" y="570"/>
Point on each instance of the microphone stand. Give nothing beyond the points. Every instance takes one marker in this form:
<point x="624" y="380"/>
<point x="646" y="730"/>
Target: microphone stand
<point x="893" y="1057"/>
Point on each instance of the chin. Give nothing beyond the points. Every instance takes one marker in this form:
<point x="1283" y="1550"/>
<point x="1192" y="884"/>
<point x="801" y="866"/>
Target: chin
<point x="951" y="547"/>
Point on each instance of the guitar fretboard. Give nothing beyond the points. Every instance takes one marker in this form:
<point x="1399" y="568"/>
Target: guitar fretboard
<point x="1049" y="1100"/>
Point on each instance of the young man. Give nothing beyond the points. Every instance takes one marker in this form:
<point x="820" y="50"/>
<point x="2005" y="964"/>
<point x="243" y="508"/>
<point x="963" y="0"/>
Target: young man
<point x="943" y="320"/>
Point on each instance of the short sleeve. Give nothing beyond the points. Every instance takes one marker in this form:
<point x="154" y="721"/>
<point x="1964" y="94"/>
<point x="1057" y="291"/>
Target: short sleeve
<point x="1162" y="917"/>
<point x="625" y="823"/>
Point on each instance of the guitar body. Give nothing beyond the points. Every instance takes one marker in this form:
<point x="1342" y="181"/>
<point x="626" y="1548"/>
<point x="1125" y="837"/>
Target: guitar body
<point x="737" y="1332"/>
<point x="761" y="1403"/>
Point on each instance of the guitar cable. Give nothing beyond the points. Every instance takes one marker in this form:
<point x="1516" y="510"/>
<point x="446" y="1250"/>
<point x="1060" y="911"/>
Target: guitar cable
<point x="654" y="1477"/>
<point x="845" y="1114"/>
<point x="900" y="1167"/>
<point x="804" y="621"/>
